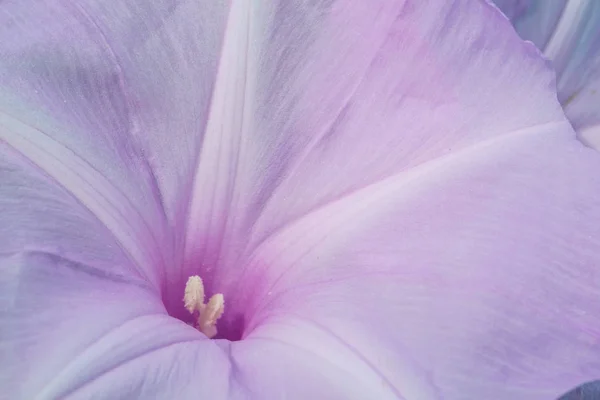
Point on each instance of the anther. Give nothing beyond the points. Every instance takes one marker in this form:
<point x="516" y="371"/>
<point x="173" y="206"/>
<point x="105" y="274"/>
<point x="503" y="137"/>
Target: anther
<point x="194" y="294"/>
<point x="208" y="314"/>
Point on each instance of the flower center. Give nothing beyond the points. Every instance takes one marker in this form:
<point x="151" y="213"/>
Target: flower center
<point x="209" y="313"/>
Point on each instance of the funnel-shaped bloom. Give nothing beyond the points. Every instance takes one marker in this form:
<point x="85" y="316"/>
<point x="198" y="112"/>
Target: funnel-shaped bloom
<point x="374" y="200"/>
<point x="568" y="33"/>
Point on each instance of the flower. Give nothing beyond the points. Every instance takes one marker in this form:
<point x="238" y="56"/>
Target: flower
<point x="568" y="33"/>
<point x="386" y="196"/>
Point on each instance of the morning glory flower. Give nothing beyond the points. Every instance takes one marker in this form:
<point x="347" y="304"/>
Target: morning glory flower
<point x="568" y="33"/>
<point x="334" y="199"/>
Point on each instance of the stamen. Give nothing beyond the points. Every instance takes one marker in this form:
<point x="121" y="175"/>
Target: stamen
<point x="208" y="314"/>
<point x="194" y="294"/>
<point x="212" y="312"/>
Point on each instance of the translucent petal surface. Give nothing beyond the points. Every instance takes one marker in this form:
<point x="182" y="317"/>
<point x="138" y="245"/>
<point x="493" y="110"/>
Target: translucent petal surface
<point x="389" y="198"/>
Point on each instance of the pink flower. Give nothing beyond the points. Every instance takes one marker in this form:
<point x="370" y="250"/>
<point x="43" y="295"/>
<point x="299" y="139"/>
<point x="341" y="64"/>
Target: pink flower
<point x="386" y="194"/>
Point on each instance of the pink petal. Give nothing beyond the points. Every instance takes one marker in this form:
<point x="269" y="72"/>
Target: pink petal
<point x="373" y="104"/>
<point x="473" y="276"/>
<point x="320" y="100"/>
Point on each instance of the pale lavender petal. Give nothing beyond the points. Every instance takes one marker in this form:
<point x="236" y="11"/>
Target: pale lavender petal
<point x="307" y="109"/>
<point x="101" y="116"/>
<point x="110" y="101"/>
<point x="78" y="332"/>
<point x="474" y="276"/>
<point x="417" y="82"/>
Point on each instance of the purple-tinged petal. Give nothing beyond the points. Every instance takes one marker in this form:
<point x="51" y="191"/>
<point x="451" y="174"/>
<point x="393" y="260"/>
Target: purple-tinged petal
<point x="401" y="93"/>
<point x="70" y="331"/>
<point x="78" y="332"/>
<point x="363" y="127"/>
<point x="307" y="109"/>
<point x="101" y="116"/>
<point x="472" y="276"/>
<point x="110" y="101"/>
<point x="52" y="310"/>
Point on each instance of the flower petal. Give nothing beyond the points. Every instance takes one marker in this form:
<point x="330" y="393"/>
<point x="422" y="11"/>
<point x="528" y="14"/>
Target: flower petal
<point x="99" y="132"/>
<point x="316" y="99"/>
<point x="110" y="102"/>
<point x="473" y="276"/>
<point x="375" y="102"/>
<point x="77" y="332"/>
<point x="71" y="330"/>
<point x="456" y="279"/>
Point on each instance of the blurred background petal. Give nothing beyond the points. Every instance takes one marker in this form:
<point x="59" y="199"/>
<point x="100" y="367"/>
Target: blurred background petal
<point x="568" y="33"/>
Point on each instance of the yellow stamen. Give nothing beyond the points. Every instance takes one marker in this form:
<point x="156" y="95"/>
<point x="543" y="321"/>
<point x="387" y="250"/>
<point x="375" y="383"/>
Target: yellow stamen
<point x="208" y="314"/>
<point x="194" y="294"/>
